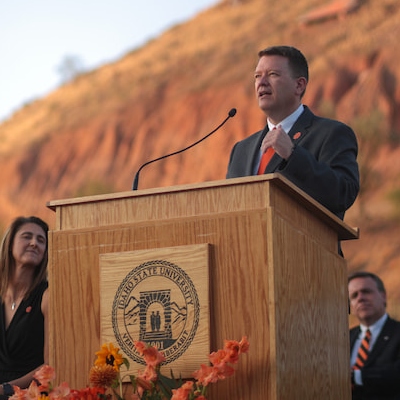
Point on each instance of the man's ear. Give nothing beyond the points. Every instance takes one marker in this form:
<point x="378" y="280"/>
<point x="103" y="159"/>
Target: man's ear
<point x="384" y="298"/>
<point x="301" y="84"/>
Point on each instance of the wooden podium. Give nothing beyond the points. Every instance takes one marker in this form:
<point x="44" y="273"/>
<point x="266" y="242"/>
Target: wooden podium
<point x="275" y="276"/>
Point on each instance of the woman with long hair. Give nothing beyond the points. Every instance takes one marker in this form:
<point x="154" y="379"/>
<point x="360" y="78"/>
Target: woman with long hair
<point x="23" y="303"/>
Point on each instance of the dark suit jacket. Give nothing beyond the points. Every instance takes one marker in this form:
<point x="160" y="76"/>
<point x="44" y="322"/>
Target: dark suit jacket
<point x="323" y="163"/>
<point x="381" y="372"/>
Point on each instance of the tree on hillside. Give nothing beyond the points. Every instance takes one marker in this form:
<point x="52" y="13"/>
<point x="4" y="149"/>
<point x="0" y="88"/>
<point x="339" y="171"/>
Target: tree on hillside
<point x="70" y="67"/>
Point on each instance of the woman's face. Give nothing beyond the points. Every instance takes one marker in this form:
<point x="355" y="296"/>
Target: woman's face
<point x="29" y="245"/>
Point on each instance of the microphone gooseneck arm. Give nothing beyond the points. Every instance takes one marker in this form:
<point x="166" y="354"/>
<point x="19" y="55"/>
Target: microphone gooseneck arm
<point x="231" y="114"/>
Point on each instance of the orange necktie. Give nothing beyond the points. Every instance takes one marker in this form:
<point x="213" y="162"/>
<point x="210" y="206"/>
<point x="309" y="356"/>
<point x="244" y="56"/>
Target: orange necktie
<point x="265" y="159"/>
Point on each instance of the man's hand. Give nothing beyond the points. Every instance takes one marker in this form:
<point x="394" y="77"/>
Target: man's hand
<point x="280" y="141"/>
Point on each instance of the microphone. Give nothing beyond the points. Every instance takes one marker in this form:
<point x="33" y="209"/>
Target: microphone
<point x="231" y="114"/>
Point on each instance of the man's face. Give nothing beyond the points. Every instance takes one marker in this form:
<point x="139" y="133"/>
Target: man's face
<point x="277" y="91"/>
<point x="367" y="303"/>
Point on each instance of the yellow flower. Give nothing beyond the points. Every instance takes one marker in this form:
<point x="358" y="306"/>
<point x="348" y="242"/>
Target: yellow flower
<point x="109" y="355"/>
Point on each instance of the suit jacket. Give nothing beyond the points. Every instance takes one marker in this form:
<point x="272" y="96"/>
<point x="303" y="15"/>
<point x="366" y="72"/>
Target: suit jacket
<point x="381" y="372"/>
<point x="323" y="163"/>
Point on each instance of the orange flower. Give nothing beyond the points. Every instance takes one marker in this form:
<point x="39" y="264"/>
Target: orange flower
<point x="144" y="379"/>
<point x="188" y="385"/>
<point x="60" y="392"/>
<point x="183" y="392"/>
<point x="148" y="383"/>
<point x="89" y="393"/>
<point x="102" y="375"/>
<point x="179" y="394"/>
<point x="223" y="371"/>
<point x="23" y="394"/>
<point x="218" y="357"/>
<point x="234" y="348"/>
<point x="151" y="355"/>
<point x="232" y="353"/>
<point x="44" y="375"/>
<point x="140" y="346"/>
<point x="33" y="391"/>
<point x="149" y="373"/>
<point x="206" y="375"/>
<point x="241" y="347"/>
<point x="244" y="345"/>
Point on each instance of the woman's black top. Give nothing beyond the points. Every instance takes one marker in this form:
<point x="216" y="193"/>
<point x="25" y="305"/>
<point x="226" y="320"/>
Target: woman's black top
<point x="22" y="343"/>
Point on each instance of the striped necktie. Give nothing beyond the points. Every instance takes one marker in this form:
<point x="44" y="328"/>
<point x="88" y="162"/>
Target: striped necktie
<point x="363" y="351"/>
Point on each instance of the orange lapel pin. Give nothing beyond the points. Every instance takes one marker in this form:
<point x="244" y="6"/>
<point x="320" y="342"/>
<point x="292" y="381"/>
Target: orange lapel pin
<point x="296" y="135"/>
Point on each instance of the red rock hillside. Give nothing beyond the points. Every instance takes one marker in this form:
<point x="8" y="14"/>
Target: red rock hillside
<point x="91" y="135"/>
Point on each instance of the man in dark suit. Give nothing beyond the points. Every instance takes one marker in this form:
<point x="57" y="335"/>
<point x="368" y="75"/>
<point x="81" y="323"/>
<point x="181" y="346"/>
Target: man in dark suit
<point x="376" y="366"/>
<point x="317" y="154"/>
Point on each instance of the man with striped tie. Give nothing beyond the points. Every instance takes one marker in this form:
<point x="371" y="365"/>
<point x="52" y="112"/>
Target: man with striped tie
<point x="375" y="343"/>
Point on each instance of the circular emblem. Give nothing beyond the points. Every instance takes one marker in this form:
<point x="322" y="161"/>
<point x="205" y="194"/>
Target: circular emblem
<point x="156" y="303"/>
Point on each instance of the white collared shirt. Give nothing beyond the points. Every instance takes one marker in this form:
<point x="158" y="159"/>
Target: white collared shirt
<point x="289" y="121"/>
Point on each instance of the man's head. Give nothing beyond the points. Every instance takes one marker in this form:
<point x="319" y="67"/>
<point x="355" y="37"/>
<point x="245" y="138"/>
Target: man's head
<point x="367" y="296"/>
<point x="297" y="62"/>
<point x="281" y="78"/>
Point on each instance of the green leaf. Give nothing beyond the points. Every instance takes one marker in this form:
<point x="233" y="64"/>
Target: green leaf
<point x="126" y="363"/>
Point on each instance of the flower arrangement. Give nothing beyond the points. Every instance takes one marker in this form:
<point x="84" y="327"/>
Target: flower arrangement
<point x="149" y="384"/>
